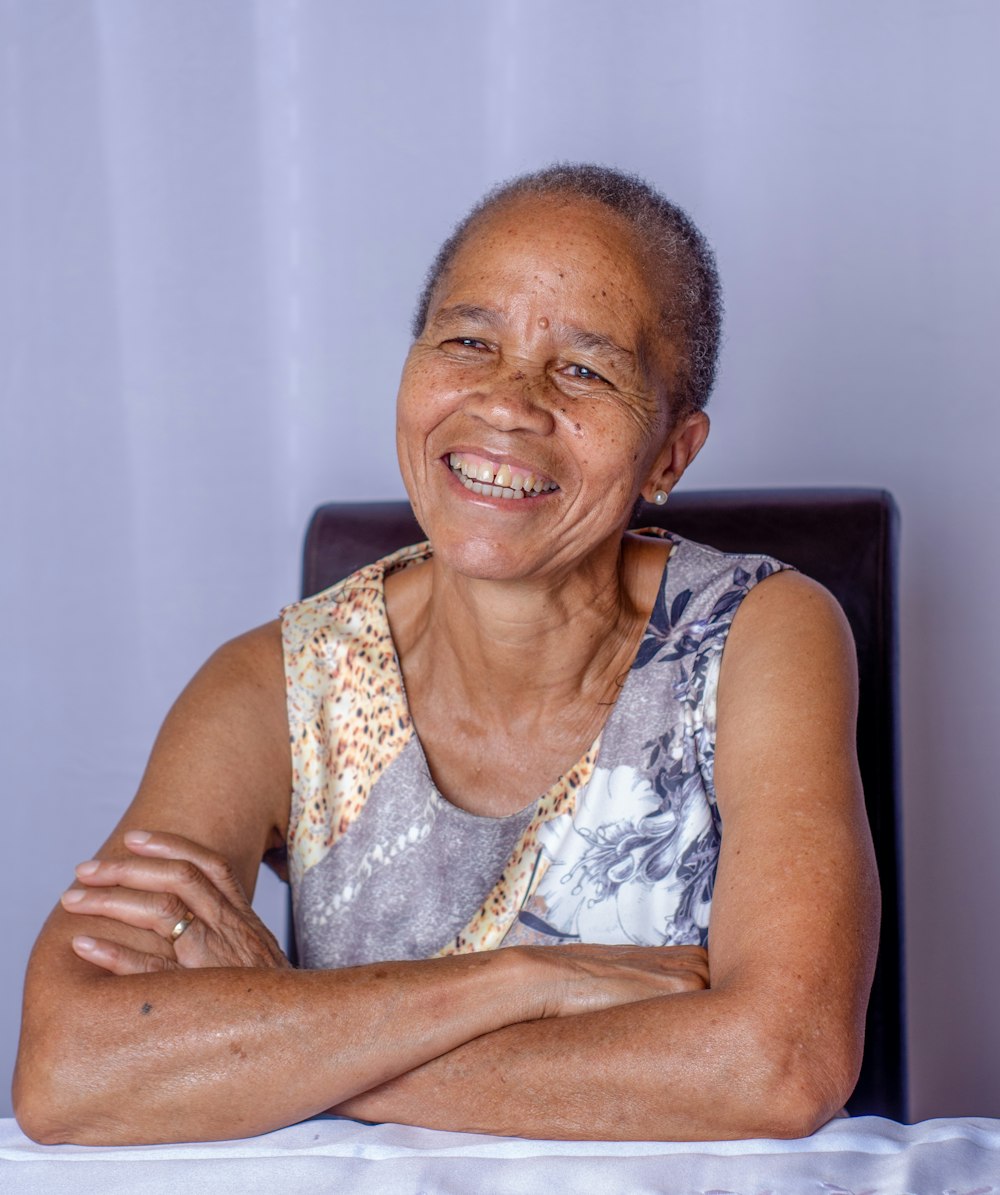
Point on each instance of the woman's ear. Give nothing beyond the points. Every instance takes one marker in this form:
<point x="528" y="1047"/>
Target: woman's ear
<point x="682" y="445"/>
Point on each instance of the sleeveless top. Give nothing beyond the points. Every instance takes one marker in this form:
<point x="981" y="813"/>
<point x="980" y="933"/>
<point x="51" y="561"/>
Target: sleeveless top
<point x="622" y="849"/>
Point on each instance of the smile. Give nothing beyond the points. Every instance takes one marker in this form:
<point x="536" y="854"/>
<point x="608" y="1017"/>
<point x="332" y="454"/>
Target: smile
<point x="497" y="481"/>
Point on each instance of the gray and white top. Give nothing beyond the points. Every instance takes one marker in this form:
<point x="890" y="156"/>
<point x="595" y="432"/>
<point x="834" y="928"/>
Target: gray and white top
<point x="622" y="849"/>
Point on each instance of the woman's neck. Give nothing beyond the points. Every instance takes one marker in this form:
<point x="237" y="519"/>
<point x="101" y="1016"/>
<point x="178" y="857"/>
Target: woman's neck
<point x="536" y="645"/>
<point x="509" y="684"/>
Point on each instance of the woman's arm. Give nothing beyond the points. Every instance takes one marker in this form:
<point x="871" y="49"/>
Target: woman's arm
<point x="774" y="1048"/>
<point x="156" y="1053"/>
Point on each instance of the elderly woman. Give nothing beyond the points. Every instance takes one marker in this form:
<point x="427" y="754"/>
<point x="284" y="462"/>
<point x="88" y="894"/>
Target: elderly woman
<point x="524" y="733"/>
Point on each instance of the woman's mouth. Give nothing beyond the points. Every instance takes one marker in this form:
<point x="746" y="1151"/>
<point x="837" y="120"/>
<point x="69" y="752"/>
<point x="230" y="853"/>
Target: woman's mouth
<point x="485" y="477"/>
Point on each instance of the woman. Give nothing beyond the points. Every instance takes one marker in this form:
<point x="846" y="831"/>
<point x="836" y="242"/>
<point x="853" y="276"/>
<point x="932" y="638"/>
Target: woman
<point x="563" y="352"/>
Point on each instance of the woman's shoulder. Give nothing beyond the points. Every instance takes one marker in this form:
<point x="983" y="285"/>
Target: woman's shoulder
<point x="353" y="600"/>
<point x="701" y="587"/>
<point x="794" y="605"/>
<point x="357" y="587"/>
<point x="249" y="659"/>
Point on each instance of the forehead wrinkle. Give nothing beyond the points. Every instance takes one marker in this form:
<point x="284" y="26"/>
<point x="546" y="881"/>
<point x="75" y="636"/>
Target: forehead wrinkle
<point x="469" y="313"/>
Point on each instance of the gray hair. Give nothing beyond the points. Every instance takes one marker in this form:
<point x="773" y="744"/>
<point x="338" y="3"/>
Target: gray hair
<point x="681" y="261"/>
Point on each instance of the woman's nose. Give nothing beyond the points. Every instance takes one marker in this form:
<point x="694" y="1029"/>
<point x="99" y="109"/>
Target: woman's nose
<point x="517" y="401"/>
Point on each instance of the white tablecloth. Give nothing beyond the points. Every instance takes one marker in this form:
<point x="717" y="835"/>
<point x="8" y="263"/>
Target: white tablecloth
<point x="846" y="1157"/>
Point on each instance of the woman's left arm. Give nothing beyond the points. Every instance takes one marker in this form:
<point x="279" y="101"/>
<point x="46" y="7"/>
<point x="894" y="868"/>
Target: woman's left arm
<point x="773" y="1048"/>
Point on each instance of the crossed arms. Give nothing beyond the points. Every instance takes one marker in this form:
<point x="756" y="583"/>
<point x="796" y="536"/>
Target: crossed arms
<point x="128" y="1037"/>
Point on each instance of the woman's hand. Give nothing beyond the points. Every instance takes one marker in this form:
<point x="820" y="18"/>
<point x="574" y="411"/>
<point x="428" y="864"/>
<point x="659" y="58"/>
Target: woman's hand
<point x="587" y="978"/>
<point x="171" y="880"/>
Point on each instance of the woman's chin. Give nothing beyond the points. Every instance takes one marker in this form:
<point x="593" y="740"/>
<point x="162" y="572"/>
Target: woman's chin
<point x="487" y="558"/>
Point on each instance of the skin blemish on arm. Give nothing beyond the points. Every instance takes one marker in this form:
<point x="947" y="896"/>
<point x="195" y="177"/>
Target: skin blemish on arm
<point x="146" y="1009"/>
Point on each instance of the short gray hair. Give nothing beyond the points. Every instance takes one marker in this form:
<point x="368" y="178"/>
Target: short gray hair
<point x="680" y="260"/>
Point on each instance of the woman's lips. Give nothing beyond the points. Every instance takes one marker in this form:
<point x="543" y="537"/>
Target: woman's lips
<point x="497" y="480"/>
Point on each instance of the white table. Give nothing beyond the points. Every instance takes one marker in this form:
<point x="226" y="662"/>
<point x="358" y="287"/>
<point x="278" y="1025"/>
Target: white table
<point x="846" y="1157"/>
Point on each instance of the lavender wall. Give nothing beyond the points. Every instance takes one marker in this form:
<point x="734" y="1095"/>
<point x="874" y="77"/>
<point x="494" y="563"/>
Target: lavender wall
<point x="213" y="220"/>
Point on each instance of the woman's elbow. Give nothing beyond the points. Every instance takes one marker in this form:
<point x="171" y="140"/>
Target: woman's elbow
<point x="800" y="1088"/>
<point x="56" y="1093"/>
<point x="36" y="1098"/>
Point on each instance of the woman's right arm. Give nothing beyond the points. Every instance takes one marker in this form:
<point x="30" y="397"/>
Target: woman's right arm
<point x="156" y="1055"/>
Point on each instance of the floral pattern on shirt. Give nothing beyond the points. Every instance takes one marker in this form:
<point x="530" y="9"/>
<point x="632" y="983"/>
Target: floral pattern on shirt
<point x="635" y="862"/>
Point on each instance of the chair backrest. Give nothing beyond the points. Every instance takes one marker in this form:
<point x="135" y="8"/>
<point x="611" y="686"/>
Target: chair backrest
<point x="845" y="539"/>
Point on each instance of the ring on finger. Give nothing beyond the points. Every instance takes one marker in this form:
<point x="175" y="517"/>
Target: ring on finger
<point x="181" y="925"/>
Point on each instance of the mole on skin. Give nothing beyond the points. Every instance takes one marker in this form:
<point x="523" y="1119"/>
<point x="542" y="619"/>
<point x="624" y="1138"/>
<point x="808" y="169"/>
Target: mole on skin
<point x="543" y="321"/>
<point x="146" y="1008"/>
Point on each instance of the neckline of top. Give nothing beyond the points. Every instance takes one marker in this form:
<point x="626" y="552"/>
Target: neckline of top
<point x="421" y="552"/>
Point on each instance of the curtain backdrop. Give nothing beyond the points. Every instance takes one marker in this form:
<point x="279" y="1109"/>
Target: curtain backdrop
<point x="214" y="218"/>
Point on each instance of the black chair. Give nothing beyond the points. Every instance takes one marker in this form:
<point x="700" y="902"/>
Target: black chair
<point x="845" y="539"/>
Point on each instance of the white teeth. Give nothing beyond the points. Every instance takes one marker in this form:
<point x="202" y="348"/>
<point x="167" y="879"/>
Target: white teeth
<point x="485" y="473"/>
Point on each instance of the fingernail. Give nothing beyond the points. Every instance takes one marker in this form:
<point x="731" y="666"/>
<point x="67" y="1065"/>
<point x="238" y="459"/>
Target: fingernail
<point x="88" y="868"/>
<point x="85" y="944"/>
<point x="73" y="896"/>
<point x="137" y="837"/>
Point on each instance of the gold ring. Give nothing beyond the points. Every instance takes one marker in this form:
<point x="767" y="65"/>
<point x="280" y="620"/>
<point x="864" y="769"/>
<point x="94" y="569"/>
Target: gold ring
<point x="181" y="926"/>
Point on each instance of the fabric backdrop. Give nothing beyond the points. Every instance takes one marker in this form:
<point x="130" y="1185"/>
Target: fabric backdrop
<point x="214" y="218"/>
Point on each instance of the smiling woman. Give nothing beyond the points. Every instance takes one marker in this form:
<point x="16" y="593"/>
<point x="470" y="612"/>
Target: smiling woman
<point x="535" y="731"/>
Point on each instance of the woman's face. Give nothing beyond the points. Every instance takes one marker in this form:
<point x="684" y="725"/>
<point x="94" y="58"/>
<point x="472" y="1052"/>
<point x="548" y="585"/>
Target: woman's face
<point x="532" y="410"/>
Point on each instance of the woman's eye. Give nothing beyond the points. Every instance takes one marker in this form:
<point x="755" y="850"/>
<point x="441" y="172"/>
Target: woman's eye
<point x="584" y="373"/>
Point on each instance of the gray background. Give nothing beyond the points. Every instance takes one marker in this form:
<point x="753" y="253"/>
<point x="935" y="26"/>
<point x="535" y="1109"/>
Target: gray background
<point x="213" y="221"/>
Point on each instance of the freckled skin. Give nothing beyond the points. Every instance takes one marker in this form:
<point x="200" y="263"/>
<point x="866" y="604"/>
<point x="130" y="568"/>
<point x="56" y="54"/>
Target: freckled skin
<point x="531" y="381"/>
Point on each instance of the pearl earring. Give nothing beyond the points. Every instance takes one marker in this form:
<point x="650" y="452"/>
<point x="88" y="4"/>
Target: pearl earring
<point x="660" y="497"/>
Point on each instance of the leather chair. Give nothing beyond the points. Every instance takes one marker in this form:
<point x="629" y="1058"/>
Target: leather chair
<point x="844" y="538"/>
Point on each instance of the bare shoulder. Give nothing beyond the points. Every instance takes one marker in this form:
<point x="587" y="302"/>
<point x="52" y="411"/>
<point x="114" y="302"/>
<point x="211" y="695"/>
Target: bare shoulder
<point x="223" y="746"/>
<point x="253" y="658"/>
<point x="788" y="604"/>
<point x="790" y="651"/>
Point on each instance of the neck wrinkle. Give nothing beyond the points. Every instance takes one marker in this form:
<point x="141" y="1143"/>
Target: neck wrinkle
<point x="509" y="645"/>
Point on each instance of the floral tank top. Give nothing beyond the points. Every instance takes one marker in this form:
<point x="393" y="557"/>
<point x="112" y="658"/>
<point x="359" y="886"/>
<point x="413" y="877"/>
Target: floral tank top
<point x="622" y="849"/>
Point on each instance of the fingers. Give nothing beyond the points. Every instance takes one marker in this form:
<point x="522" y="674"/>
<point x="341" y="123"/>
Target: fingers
<point x="601" y="976"/>
<point x="173" y="846"/>
<point x="156" y="911"/>
<point x="170" y="883"/>
<point x="118" y="959"/>
<point x="172" y="887"/>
